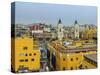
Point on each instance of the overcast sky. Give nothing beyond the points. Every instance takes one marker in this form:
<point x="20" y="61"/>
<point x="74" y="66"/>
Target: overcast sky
<point x="27" y="13"/>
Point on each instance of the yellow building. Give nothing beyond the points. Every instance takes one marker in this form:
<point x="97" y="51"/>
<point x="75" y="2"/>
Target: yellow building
<point x="25" y="55"/>
<point x="89" y="34"/>
<point x="68" y="61"/>
<point x="67" y="58"/>
<point x="90" y="61"/>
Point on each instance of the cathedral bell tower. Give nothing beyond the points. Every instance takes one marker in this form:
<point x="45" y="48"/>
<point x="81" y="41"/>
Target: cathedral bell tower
<point x="76" y="30"/>
<point x="60" y="34"/>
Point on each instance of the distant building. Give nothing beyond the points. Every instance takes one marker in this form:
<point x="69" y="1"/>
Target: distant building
<point x="53" y="32"/>
<point x="21" y="29"/>
<point x="36" y="28"/>
<point x="88" y="31"/>
<point x="76" y="30"/>
<point x="47" y="28"/>
<point x="60" y="34"/>
<point x="69" y="32"/>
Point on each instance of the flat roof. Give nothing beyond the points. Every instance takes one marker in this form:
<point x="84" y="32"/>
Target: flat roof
<point x="75" y="50"/>
<point x="63" y="49"/>
<point x="78" y="50"/>
<point x="92" y="57"/>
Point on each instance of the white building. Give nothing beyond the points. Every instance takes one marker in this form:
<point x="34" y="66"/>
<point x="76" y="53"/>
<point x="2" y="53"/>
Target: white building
<point x="46" y="29"/>
<point x="60" y="34"/>
<point x="76" y="30"/>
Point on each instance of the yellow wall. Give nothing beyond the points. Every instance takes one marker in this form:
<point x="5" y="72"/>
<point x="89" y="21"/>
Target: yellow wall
<point x="71" y="61"/>
<point x="67" y="61"/>
<point x="88" y="65"/>
<point x="24" y="51"/>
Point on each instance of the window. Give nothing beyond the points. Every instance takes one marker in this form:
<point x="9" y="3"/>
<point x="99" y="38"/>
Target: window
<point x="26" y="55"/>
<point x="63" y="59"/>
<point x="34" y="54"/>
<point x="71" y="59"/>
<point x="76" y="58"/>
<point x="25" y="48"/>
<point x="21" y="60"/>
<point x="26" y="60"/>
<point x="32" y="59"/>
<point x="63" y="68"/>
<point x="71" y="68"/>
<point x="60" y="30"/>
<point x="30" y="54"/>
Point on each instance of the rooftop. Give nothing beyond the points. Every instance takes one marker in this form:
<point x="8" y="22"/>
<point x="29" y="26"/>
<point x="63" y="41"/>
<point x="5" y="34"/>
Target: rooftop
<point x="92" y="57"/>
<point x="63" y="49"/>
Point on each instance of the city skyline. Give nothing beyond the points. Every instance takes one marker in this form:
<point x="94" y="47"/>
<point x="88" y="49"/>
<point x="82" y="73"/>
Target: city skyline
<point x="53" y="37"/>
<point x="28" y="13"/>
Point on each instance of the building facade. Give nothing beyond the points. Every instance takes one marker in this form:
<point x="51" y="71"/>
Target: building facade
<point x="25" y="55"/>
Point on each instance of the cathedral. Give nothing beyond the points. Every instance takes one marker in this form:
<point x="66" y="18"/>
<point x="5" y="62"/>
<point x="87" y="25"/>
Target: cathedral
<point x="76" y="30"/>
<point x="60" y="33"/>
